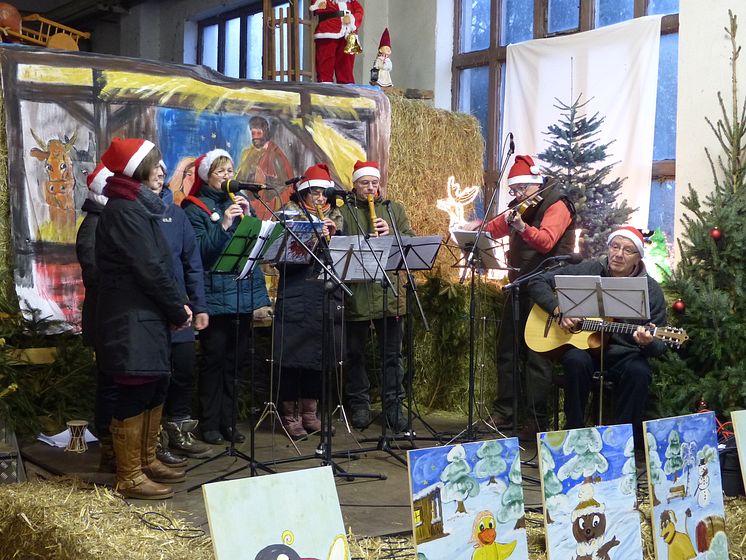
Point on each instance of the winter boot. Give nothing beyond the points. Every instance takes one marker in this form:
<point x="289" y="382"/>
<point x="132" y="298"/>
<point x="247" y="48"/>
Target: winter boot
<point x="151" y="466"/>
<point x="311" y="422"/>
<point x="164" y="454"/>
<point x="127" y="437"/>
<point x="181" y="439"/>
<point x="107" y="463"/>
<point x="291" y="421"/>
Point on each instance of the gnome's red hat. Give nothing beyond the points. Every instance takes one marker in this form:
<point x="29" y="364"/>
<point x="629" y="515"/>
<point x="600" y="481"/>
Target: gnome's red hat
<point x="96" y="179"/>
<point x="316" y="176"/>
<point x="385" y="39"/>
<point x="363" y="168"/>
<point x="124" y="154"/>
<point x="524" y="170"/>
<point x="202" y="164"/>
<point x="631" y="233"/>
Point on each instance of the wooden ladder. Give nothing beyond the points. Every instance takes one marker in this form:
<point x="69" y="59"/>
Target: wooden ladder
<point x="287" y="36"/>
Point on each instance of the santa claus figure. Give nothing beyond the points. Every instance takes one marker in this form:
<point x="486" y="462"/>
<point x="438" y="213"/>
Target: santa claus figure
<point x="335" y="20"/>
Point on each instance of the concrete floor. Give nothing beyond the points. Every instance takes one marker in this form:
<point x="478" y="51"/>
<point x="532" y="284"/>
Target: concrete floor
<point x="370" y="507"/>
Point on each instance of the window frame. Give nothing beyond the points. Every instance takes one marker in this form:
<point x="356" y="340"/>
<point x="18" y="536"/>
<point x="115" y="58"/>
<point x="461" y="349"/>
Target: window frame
<point x="495" y="56"/>
<point x="255" y="7"/>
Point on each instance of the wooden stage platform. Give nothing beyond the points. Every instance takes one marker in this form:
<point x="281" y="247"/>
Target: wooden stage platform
<point x="369" y="507"/>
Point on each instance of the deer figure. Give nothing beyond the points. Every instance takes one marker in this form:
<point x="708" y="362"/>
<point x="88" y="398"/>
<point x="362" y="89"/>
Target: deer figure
<point x="458" y="197"/>
<point x="59" y="186"/>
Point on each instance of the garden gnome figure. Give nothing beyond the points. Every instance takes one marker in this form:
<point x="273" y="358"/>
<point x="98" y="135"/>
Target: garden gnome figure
<point x="380" y="74"/>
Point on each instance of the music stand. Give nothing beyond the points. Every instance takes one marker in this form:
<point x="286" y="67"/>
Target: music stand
<point x="413" y="253"/>
<point x="250" y="240"/>
<point x="477" y="258"/>
<point x="600" y="296"/>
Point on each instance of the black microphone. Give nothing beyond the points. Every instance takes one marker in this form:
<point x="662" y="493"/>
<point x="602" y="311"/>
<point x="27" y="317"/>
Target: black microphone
<point x="512" y="144"/>
<point x="294" y="180"/>
<point x="572" y="258"/>
<point x="233" y="186"/>
<point x="335" y="192"/>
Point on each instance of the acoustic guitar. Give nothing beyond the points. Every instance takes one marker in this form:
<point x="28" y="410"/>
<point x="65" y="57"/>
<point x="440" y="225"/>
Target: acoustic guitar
<point x="543" y="333"/>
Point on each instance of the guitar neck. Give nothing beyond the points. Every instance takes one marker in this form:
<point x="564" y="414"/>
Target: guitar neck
<point x="608" y="327"/>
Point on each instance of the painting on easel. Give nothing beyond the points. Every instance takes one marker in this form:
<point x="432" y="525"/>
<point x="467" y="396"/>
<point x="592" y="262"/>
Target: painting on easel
<point x="467" y="501"/>
<point x="686" y="487"/>
<point x="588" y="484"/>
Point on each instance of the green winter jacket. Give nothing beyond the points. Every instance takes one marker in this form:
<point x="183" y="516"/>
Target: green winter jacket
<point x="367" y="297"/>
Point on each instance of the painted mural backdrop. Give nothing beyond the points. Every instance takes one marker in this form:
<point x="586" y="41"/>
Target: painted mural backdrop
<point x="467" y="501"/>
<point x="686" y="488"/>
<point x="63" y="109"/>
<point x="589" y="487"/>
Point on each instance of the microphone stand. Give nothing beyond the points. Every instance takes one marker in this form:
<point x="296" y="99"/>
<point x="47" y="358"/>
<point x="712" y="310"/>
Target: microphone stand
<point x="324" y="451"/>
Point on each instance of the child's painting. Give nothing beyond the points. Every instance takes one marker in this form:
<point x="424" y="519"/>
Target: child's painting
<point x="286" y="515"/>
<point x="589" y="489"/>
<point x="467" y="501"/>
<point x="739" y="427"/>
<point x="686" y="488"/>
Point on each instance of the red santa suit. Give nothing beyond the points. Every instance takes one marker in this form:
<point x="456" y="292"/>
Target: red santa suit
<point x="329" y="36"/>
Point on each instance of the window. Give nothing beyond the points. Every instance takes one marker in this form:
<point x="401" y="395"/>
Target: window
<point x="417" y="517"/>
<point x="479" y="65"/>
<point x="231" y="43"/>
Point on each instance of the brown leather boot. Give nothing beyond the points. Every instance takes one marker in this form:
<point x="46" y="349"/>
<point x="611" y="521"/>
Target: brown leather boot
<point x="131" y="481"/>
<point x="292" y="422"/>
<point x="106" y="463"/>
<point x="151" y="466"/>
<point x="311" y="422"/>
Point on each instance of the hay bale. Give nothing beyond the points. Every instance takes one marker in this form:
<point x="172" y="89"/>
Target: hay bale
<point x="66" y="520"/>
<point x="427" y="146"/>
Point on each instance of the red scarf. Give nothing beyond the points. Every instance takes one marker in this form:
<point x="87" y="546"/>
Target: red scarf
<point x="121" y="186"/>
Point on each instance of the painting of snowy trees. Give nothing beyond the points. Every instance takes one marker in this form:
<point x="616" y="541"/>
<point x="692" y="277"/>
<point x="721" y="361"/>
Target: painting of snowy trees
<point x="686" y="488"/>
<point x="739" y="427"/>
<point x="467" y="501"/>
<point x="588" y="484"/>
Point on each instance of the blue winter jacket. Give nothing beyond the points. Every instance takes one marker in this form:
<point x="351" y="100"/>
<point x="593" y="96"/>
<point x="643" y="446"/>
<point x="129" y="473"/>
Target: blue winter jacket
<point x="188" y="270"/>
<point x="220" y="289"/>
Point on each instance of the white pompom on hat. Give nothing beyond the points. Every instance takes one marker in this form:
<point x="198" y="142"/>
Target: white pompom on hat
<point x="363" y="168"/>
<point x="524" y="170"/>
<point x="96" y="179"/>
<point x="124" y="154"/>
<point x="631" y="233"/>
<point x="316" y="176"/>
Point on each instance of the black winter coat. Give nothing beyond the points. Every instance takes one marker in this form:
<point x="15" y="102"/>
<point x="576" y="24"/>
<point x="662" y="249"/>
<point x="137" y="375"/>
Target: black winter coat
<point x="84" y="249"/>
<point x="139" y="298"/>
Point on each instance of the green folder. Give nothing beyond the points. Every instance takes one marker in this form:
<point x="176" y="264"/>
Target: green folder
<point x="247" y="246"/>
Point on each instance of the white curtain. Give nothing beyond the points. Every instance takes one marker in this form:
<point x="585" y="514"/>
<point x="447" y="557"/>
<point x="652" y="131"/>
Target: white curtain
<point x="615" y="68"/>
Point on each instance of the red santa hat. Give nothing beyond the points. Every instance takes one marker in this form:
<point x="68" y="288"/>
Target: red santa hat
<point x="363" y="168"/>
<point x="524" y="170"/>
<point x="316" y="176"/>
<point x="96" y="179"/>
<point x="631" y="233"/>
<point x="587" y="504"/>
<point x="124" y="154"/>
<point x="202" y="164"/>
<point x="385" y="39"/>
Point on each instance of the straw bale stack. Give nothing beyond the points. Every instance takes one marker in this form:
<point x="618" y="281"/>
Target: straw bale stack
<point x="427" y="146"/>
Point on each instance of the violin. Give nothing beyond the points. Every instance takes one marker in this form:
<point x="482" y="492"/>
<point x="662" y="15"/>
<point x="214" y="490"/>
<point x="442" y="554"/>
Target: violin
<point x="520" y="208"/>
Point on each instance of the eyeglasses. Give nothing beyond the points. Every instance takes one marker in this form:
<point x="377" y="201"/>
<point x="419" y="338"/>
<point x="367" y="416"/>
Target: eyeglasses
<point x="626" y="251"/>
<point x="369" y="183"/>
<point x="516" y="190"/>
<point x="223" y="171"/>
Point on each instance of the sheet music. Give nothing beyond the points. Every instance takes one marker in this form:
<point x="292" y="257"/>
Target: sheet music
<point x="355" y="261"/>
<point x="286" y="249"/>
<point x="256" y="251"/>
<point x="486" y="249"/>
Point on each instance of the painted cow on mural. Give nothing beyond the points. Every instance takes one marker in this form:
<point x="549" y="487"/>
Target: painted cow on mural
<point x="60" y="184"/>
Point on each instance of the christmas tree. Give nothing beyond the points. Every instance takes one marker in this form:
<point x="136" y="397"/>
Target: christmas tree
<point x="554" y="496"/>
<point x="490" y="464"/>
<point x="512" y="498"/>
<point x="459" y="484"/>
<point x="576" y="166"/>
<point x="709" y="278"/>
